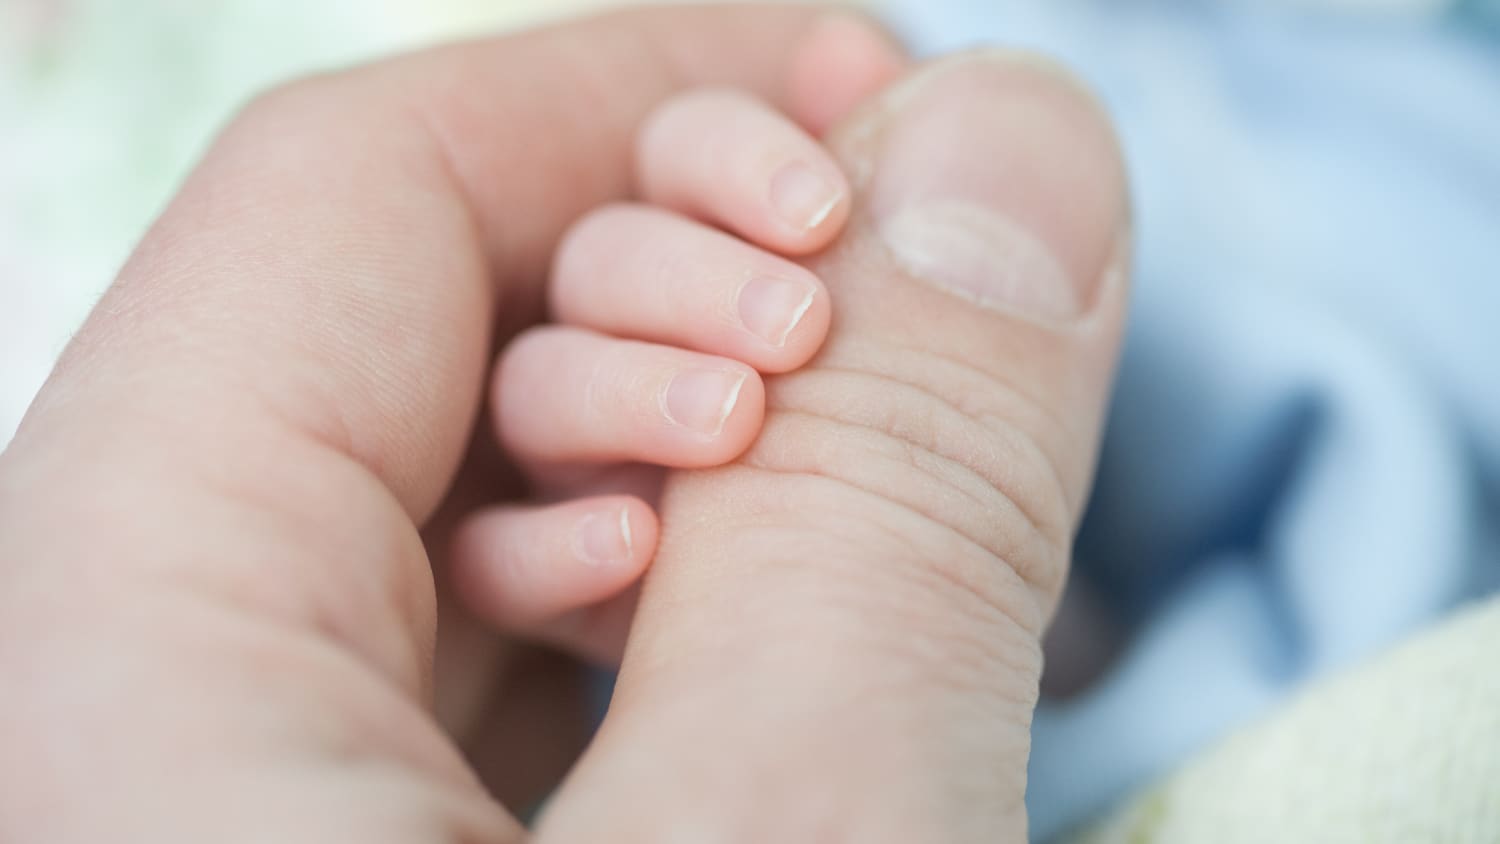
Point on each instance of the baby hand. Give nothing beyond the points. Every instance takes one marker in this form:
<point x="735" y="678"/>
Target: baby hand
<point x="665" y="313"/>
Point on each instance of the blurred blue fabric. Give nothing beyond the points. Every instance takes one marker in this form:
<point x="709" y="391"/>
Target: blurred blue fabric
<point x="1302" y="464"/>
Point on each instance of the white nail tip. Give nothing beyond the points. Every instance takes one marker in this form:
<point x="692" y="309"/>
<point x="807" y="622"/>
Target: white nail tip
<point x="821" y="214"/>
<point x="625" y="530"/>
<point x="728" y="407"/>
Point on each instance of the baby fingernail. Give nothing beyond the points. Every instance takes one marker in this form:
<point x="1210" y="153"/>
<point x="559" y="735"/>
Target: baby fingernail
<point x="604" y="538"/>
<point x="803" y="197"/>
<point x="701" y="400"/>
<point x="771" y="307"/>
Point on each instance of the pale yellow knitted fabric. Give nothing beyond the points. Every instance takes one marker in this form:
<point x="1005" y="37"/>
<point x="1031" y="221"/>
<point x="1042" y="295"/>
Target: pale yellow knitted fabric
<point x="1405" y="749"/>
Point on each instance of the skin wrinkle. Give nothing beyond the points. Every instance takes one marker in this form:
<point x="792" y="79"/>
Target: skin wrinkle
<point x="1029" y="616"/>
<point x="864" y="571"/>
<point x="974" y="436"/>
<point x="961" y="646"/>
<point x="866" y="256"/>
<point x="991" y="380"/>
<point x="868" y="573"/>
<point x="989" y="425"/>
<point x="778" y="432"/>
<point x="891" y="355"/>
<point x="1052" y="456"/>
<point x="760" y="460"/>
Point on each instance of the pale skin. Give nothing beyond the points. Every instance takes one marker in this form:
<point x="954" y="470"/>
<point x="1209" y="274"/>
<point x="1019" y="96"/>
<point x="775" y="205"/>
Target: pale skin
<point x="221" y="521"/>
<point x="666" y="312"/>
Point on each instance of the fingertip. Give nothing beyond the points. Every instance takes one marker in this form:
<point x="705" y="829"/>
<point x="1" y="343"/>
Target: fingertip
<point x="790" y="315"/>
<point x="844" y="59"/>
<point x="647" y="274"/>
<point x="745" y="420"/>
<point x="724" y="156"/>
<point x="520" y="568"/>
<point x="715" y="413"/>
<point x="808" y="202"/>
<point x="641" y="529"/>
<point x="566" y="395"/>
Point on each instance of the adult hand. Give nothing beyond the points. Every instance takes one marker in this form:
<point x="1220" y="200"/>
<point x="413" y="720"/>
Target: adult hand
<point x="217" y="612"/>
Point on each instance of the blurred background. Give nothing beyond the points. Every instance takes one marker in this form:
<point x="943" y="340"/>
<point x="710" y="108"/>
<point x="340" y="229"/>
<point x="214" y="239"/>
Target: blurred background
<point x="1303" y="460"/>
